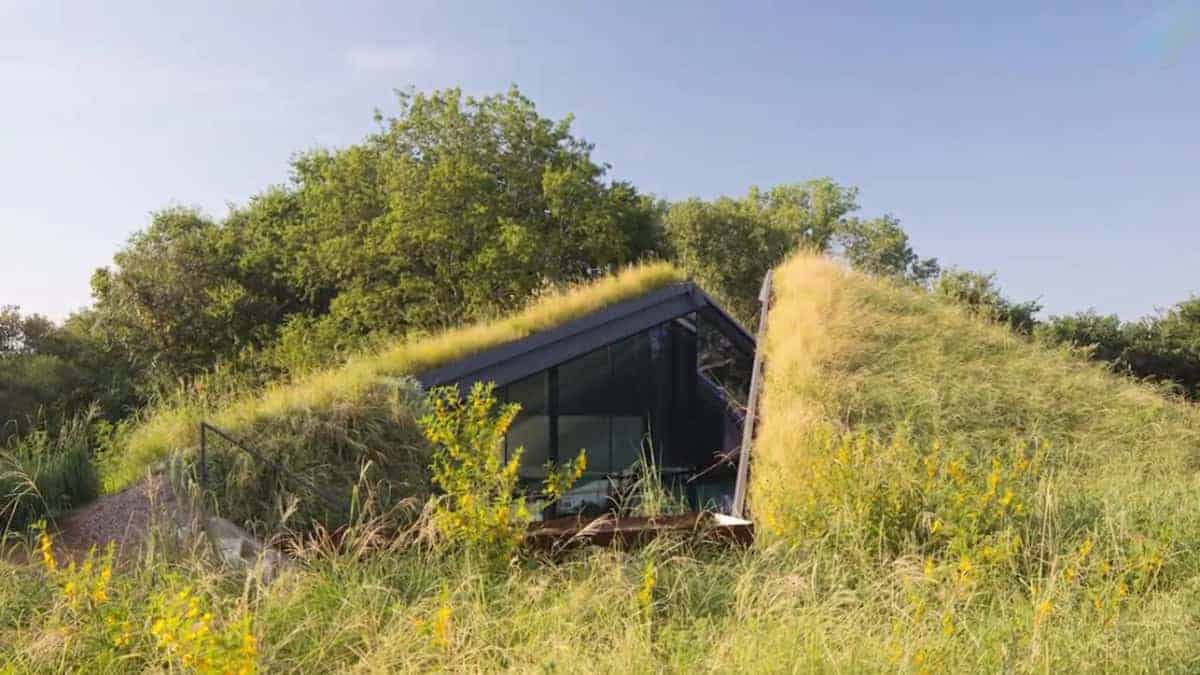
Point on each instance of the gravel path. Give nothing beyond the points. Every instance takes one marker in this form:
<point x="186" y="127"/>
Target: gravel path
<point x="123" y="518"/>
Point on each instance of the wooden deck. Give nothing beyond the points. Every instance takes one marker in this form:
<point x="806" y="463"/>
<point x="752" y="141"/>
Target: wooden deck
<point x="564" y="533"/>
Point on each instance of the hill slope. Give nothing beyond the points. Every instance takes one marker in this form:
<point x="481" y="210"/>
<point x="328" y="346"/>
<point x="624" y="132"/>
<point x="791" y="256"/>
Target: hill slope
<point x="900" y="430"/>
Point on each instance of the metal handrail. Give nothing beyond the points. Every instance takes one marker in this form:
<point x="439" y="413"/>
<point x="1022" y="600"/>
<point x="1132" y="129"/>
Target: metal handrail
<point x="739" y="494"/>
<point x="205" y="427"/>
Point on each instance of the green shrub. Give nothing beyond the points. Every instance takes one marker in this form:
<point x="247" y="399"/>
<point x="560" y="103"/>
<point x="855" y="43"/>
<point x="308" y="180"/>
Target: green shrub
<point x="44" y="474"/>
<point x="481" y="510"/>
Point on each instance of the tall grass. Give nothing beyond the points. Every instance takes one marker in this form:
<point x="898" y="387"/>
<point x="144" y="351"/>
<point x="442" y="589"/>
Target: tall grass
<point x="362" y="380"/>
<point x="1014" y="482"/>
<point x="46" y="472"/>
<point x="670" y="607"/>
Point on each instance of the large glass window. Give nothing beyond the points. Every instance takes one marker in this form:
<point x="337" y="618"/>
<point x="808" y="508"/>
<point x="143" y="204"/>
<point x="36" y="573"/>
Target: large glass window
<point x="531" y="429"/>
<point x="628" y="433"/>
<point x="612" y="442"/>
<point x="585" y="383"/>
<point x="591" y="433"/>
<point x="672" y="390"/>
<point x="532" y="435"/>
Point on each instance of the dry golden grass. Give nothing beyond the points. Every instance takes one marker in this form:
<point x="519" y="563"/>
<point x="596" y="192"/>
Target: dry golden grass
<point x="1048" y="501"/>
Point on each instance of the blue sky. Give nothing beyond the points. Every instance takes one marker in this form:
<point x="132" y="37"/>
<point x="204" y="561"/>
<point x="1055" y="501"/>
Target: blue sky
<point x="1058" y="146"/>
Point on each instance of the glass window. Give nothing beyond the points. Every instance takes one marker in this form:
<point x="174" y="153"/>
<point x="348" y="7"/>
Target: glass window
<point x="591" y="433"/>
<point x="719" y="359"/>
<point x="531" y="429"/>
<point x="633" y="375"/>
<point x="627" y="436"/>
<point x="531" y="432"/>
<point x="530" y="392"/>
<point x="584" y="383"/>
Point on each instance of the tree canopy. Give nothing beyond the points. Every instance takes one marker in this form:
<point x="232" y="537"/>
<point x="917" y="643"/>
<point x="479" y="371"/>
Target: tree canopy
<point x="455" y="208"/>
<point x="728" y="244"/>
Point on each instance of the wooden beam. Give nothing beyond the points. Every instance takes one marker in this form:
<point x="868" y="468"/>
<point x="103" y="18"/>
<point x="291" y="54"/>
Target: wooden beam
<point x="743" y="471"/>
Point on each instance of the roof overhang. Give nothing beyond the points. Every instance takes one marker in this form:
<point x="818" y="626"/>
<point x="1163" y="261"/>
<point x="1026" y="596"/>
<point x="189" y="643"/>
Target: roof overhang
<point x="515" y="360"/>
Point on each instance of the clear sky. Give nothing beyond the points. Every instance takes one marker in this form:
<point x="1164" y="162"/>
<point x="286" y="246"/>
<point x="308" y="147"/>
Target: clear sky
<point x="1057" y="146"/>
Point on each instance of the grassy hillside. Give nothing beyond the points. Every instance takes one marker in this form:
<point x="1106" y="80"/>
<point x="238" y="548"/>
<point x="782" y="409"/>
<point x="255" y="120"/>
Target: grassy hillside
<point x="328" y="422"/>
<point x="1023" y="505"/>
<point x="934" y="495"/>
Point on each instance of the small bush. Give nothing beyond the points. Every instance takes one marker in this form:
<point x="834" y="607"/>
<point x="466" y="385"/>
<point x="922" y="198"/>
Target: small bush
<point x="43" y="474"/>
<point x="481" y="510"/>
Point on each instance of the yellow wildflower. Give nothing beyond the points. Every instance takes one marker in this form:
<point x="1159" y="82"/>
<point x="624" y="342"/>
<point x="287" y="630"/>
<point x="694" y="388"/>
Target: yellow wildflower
<point x="1043" y="610"/>
<point x="47" y="549"/>
<point x="1085" y="548"/>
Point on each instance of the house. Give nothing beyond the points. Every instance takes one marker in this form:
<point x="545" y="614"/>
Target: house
<point x="656" y="382"/>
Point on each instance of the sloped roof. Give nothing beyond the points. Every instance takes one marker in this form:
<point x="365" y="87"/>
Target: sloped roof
<point x="512" y="361"/>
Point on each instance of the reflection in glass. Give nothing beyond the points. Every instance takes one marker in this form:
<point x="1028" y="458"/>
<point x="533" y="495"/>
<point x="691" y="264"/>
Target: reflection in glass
<point x="587" y="432"/>
<point x="533" y="434"/>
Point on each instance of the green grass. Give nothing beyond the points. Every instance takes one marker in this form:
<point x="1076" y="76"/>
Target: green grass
<point x="44" y="474"/>
<point x="934" y="494"/>
<point x="366" y="381"/>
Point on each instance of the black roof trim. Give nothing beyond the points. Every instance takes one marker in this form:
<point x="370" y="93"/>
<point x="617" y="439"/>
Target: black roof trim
<point x="514" y="360"/>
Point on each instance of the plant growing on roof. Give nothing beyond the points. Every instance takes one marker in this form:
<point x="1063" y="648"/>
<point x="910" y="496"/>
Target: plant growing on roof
<point x="481" y="511"/>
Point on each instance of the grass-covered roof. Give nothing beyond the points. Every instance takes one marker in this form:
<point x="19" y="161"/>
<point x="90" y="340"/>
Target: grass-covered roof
<point x="365" y="376"/>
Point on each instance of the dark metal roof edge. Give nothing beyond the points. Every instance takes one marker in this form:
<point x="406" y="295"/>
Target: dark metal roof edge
<point x="541" y="339"/>
<point x="465" y="367"/>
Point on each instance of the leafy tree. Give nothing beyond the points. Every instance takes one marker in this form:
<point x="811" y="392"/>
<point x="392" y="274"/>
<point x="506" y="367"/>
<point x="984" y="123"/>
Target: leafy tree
<point x="1105" y="335"/>
<point x="455" y="209"/>
<point x="182" y="297"/>
<point x="881" y="247"/>
<point x="978" y="292"/>
<point x="1164" y="348"/>
<point x="729" y="244"/>
<point x="48" y="372"/>
<point x="458" y="207"/>
<point x="23" y="334"/>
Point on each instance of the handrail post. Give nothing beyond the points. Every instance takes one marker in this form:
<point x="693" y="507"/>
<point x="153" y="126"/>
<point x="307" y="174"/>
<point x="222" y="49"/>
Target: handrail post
<point x="743" y="470"/>
<point x="203" y="456"/>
